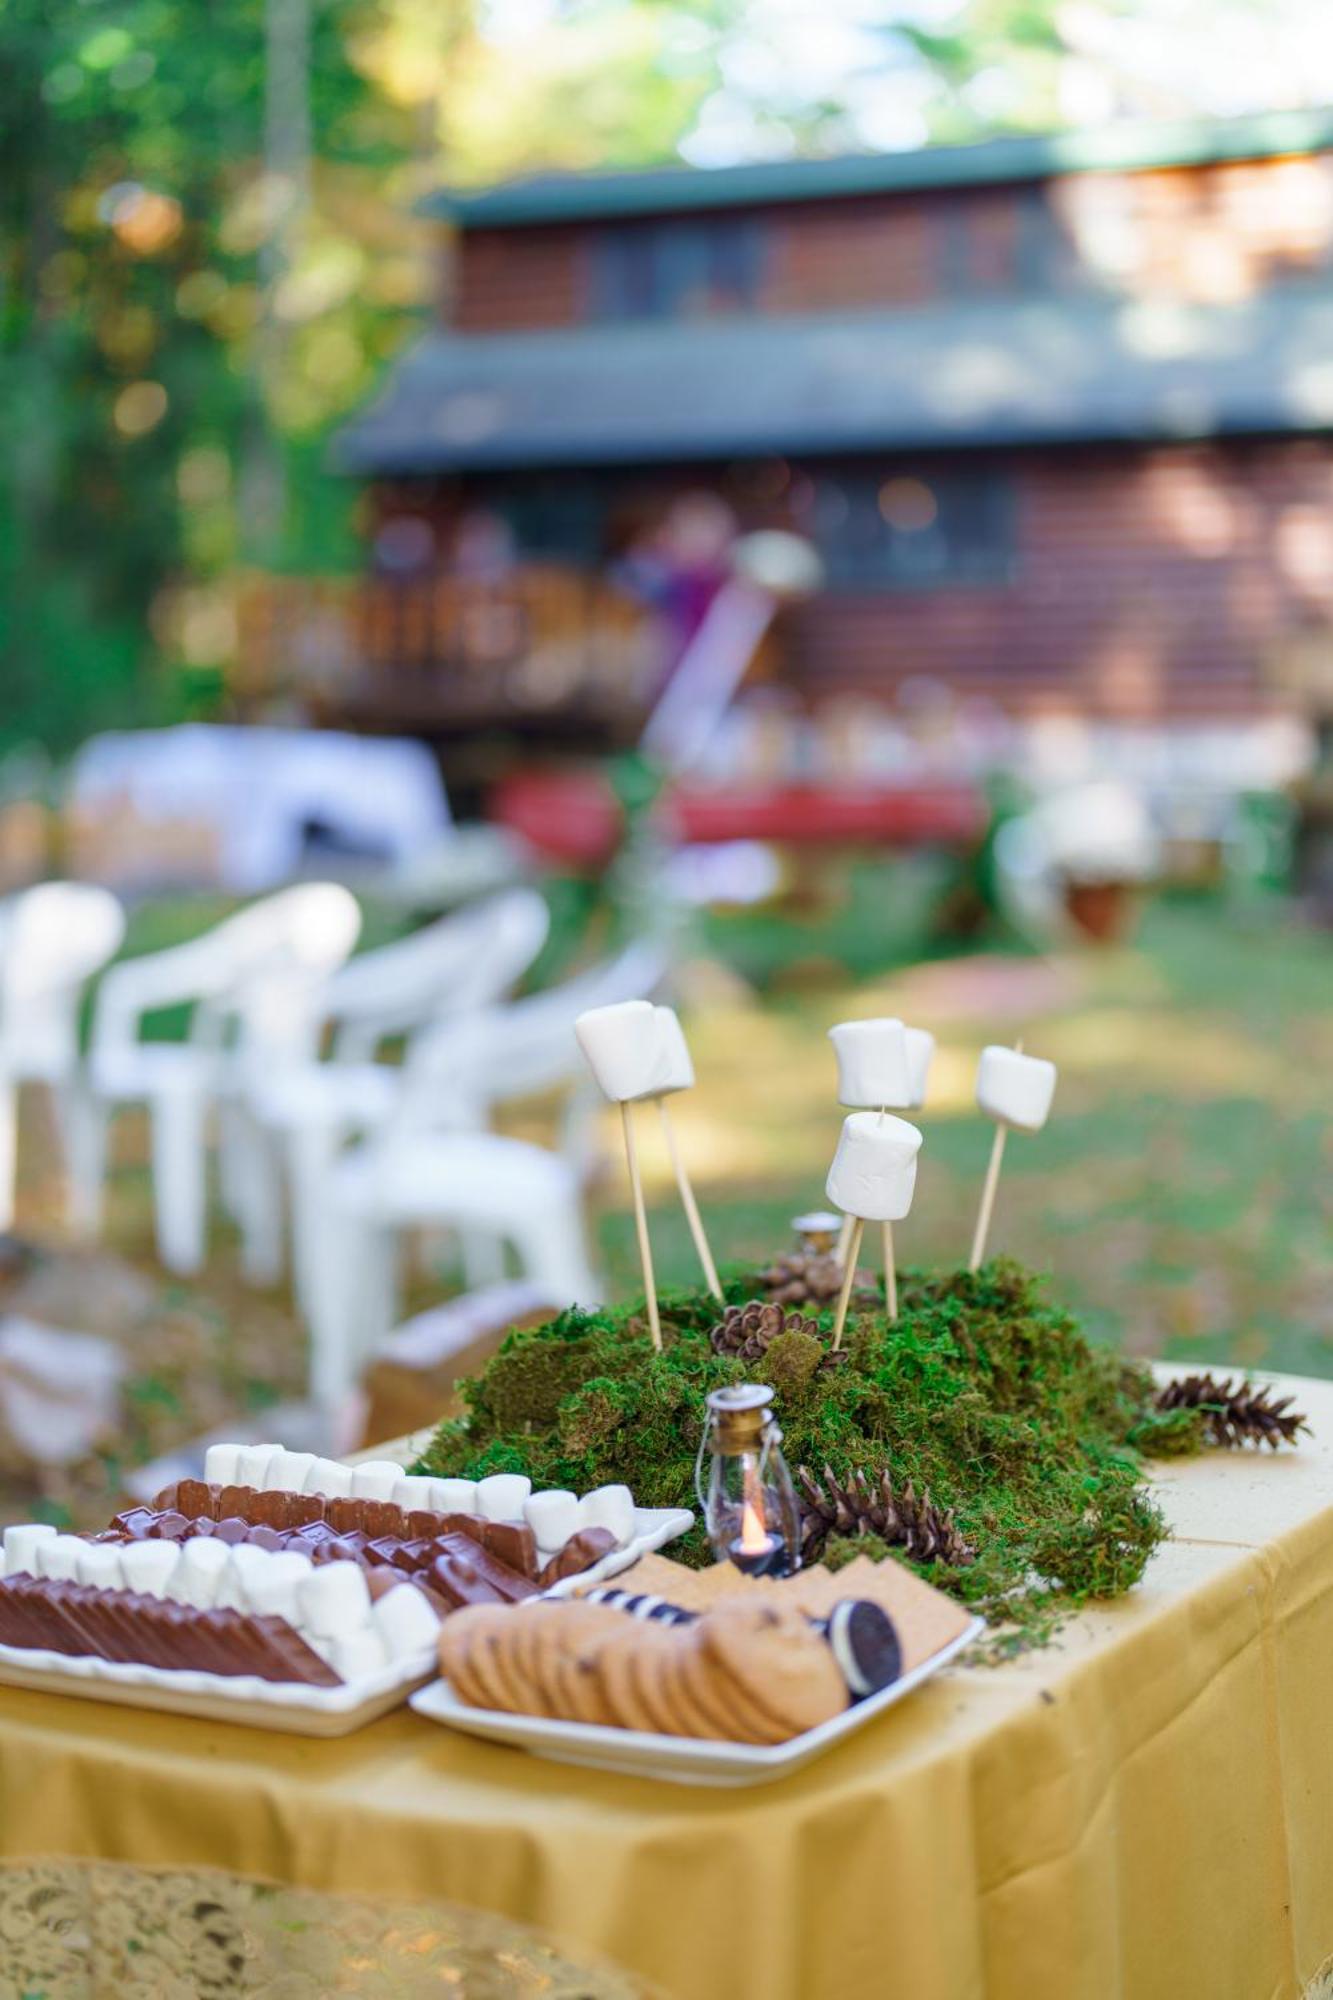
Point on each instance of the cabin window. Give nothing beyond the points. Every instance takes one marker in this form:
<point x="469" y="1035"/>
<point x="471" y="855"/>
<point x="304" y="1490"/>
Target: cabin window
<point x="676" y="269"/>
<point x="905" y="530"/>
<point x="552" y="518"/>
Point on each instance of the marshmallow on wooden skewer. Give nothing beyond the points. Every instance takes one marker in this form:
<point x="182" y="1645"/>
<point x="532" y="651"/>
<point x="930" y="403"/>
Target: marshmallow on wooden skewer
<point x="876" y="1067"/>
<point x="920" y="1055"/>
<point x="873" y="1067"/>
<point x="1015" y="1090"/>
<point x="873" y="1179"/>
<point x="620" y="1045"/>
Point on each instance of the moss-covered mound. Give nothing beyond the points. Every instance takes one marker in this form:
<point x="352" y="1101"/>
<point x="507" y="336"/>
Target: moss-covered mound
<point x="983" y="1393"/>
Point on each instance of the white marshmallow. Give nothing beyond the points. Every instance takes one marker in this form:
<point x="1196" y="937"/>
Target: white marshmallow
<point x="328" y="1477"/>
<point x="553" y="1517"/>
<point x="146" y="1566"/>
<point x="272" y="1588"/>
<point x="231" y="1589"/>
<point x="405" y="1622"/>
<point x="252" y="1463"/>
<point x="59" y="1558"/>
<point x="376" y="1479"/>
<point x="289" y="1470"/>
<point x="358" y="1654"/>
<point x="100" y="1566"/>
<point x="609" y="1507"/>
<point x="333" y="1600"/>
<point x="873" y="1068"/>
<point x="920" y="1055"/>
<point x="22" y="1543"/>
<point x="1015" y="1089"/>
<point x="673" y="1068"/>
<point x="503" y="1496"/>
<point x="414" y="1491"/>
<point x="873" y="1175"/>
<point x="454" y="1496"/>
<point x="197" y="1577"/>
<point x="620" y="1045"/>
<point x="221" y="1463"/>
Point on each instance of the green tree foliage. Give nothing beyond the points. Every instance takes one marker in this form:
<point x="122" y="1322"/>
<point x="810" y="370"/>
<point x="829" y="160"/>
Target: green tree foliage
<point x="162" y="381"/>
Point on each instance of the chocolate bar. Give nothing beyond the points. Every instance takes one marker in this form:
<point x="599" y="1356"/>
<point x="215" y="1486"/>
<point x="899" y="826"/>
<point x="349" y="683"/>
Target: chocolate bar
<point x="511" y="1542"/>
<point x="79" y="1620"/>
<point x="580" y="1552"/>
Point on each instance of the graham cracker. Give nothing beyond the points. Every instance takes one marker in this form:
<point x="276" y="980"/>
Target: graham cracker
<point x="926" y="1619"/>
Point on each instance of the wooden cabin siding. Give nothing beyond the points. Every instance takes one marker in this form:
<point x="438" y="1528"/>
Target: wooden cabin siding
<point x="515" y="281"/>
<point x="1161" y="582"/>
<point x="1207" y="233"/>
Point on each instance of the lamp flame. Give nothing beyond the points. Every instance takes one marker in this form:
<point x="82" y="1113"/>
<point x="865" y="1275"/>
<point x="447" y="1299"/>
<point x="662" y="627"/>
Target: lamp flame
<point x="754" y="1536"/>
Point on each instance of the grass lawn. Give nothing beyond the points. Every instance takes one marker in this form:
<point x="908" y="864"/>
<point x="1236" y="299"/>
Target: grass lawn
<point x="1180" y="1198"/>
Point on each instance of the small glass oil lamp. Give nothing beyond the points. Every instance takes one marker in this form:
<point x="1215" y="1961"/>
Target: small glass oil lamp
<point x="749" y="1504"/>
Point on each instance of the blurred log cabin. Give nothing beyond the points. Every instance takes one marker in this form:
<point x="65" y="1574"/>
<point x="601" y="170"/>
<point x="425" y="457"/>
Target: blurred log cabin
<point x="1054" y="413"/>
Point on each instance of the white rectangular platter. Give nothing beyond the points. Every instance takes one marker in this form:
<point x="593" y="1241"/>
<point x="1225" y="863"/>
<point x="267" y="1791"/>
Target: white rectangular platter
<point x="681" y="1760"/>
<point x="293" y="1706"/>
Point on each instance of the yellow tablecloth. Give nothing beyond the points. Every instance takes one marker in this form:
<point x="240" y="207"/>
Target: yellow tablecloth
<point x="1145" y="1810"/>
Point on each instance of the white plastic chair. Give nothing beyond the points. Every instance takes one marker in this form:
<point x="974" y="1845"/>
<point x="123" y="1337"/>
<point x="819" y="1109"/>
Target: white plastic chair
<point x="310" y="1109"/>
<point x="431" y="1164"/>
<point x="53" y="938"/>
<point x="255" y="984"/>
<point x="475" y="1182"/>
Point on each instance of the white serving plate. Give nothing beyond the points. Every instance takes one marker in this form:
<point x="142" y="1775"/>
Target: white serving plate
<point x="681" y="1760"/>
<point x="294" y="1706"/>
<point x="653" y="1526"/>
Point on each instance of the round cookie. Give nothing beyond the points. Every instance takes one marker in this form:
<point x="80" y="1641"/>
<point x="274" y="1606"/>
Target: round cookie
<point x="731" y="1714"/>
<point x="703" y="1721"/>
<point x="620" y="1688"/>
<point x="467" y="1647"/>
<point x="569" y="1661"/>
<point x="525" y="1648"/>
<point x="651" y="1672"/>
<point x="773" y="1655"/>
<point x="455" y="1647"/>
<point x="566" y="1656"/>
<point x="494" y="1660"/>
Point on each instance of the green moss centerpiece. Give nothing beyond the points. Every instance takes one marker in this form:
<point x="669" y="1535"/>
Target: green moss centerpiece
<point x="981" y="1437"/>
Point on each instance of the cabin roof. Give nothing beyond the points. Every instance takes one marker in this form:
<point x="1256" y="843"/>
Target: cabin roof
<point x="1124" y="146"/>
<point x="1004" y="373"/>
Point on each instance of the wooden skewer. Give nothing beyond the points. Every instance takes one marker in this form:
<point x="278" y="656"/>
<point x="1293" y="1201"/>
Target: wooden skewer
<point x="989" y="1186"/>
<point x="844" y="1238"/>
<point x="848" y="1280"/>
<point x="987" y="1199"/>
<point x="641" y="1228"/>
<point x="890" y="1274"/>
<point x="689" y="1204"/>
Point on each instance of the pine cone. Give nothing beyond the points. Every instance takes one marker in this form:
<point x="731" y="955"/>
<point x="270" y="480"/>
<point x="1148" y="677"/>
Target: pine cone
<point x="1235" y="1413"/>
<point x="862" y="1505"/>
<point x="749" y="1330"/>
<point x="805" y="1278"/>
<point x="802" y="1278"/>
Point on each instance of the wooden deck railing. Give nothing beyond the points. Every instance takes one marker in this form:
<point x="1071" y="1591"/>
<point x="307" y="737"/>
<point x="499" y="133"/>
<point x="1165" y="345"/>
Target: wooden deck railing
<point x="430" y="651"/>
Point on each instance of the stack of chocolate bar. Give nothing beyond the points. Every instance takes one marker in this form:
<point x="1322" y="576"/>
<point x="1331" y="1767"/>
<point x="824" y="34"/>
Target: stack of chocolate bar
<point x="74" y="1618"/>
